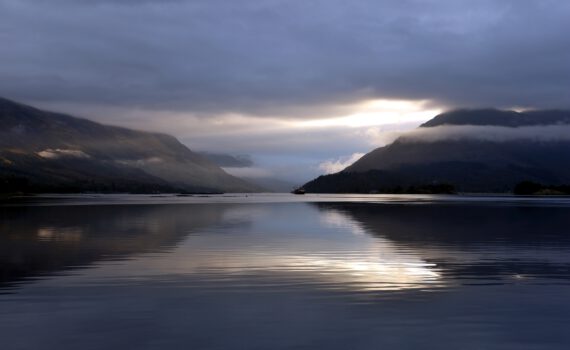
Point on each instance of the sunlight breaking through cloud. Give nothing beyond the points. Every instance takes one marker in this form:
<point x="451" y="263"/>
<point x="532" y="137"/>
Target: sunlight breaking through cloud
<point x="378" y="112"/>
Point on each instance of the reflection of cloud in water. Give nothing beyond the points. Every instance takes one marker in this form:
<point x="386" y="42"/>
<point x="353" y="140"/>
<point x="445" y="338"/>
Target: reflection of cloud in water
<point x="64" y="234"/>
<point x="337" y="219"/>
<point x="383" y="266"/>
<point x="379" y="268"/>
<point x="359" y="263"/>
<point x="368" y="271"/>
<point x="244" y="213"/>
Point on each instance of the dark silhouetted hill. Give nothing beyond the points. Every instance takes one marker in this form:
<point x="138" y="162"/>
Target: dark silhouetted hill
<point x="51" y="152"/>
<point x="469" y="165"/>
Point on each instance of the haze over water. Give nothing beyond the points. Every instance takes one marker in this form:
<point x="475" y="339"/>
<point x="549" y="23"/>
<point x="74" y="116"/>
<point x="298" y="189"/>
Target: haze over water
<point x="284" y="272"/>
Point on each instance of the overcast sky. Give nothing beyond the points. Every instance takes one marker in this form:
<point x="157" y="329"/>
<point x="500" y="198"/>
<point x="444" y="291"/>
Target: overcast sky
<point x="299" y="85"/>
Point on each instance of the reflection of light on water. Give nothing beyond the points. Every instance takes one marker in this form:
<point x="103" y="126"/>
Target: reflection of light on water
<point x="328" y="259"/>
<point x="358" y="263"/>
<point x="243" y="214"/>
<point x="381" y="266"/>
<point x="358" y="271"/>
<point x="335" y="218"/>
<point x="66" y="234"/>
<point x="354" y="271"/>
<point x="365" y="272"/>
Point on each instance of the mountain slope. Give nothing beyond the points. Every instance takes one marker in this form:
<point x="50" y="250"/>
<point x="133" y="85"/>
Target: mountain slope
<point x="497" y="117"/>
<point x="472" y="164"/>
<point x="47" y="151"/>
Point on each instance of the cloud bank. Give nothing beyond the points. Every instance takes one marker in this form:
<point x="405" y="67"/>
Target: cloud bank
<point x="229" y="160"/>
<point x="542" y="133"/>
<point x="334" y="166"/>
<point x="62" y="153"/>
<point x="287" y="82"/>
<point x="268" y="57"/>
<point x="248" y="172"/>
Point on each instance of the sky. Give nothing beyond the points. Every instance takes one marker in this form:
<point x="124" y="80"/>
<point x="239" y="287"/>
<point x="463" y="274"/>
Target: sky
<point x="297" y="87"/>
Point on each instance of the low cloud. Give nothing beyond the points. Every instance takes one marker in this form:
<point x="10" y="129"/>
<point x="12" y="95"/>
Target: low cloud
<point x="334" y="166"/>
<point x="140" y="162"/>
<point x="251" y="172"/>
<point x="62" y="153"/>
<point x="543" y="133"/>
<point x="221" y="56"/>
<point x="229" y="160"/>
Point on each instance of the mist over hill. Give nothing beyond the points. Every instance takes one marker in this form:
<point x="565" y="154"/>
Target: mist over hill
<point x="43" y="151"/>
<point x="472" y="150"/>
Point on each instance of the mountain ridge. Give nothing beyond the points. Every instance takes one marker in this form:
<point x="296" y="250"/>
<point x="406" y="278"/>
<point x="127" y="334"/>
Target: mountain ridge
<point x="471" y="165"/>
<point x="55" y="151"/>
<point x="497" y="117"/>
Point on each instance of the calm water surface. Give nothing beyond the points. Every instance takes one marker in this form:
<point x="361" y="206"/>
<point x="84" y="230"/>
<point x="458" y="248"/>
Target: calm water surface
<point x="285" y="272"/>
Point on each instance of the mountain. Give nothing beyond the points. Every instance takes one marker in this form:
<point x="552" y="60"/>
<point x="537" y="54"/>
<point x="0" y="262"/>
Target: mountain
<point x="51" y="152"/>
<point x="271" y="184"/>
<point x="478" y="163"/>
<point x="228" y="160"/>
<point x="495" y="117"/>
<point x="238" y="166"/>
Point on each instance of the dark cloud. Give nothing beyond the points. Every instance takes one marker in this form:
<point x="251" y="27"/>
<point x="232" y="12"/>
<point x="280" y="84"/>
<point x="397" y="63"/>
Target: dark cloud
<point x="285" y="57"/>
<point x="207" y="70"/>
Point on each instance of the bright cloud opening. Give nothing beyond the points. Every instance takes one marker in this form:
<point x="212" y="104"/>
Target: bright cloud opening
<point x="379" y="112"/>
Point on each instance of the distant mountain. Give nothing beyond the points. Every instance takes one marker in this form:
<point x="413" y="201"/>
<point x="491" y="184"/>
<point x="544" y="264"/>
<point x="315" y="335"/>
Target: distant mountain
<point x="271" y="184"/>
<point x="228" y="160"/>
<point x="51" y="152"/>
<point x="231" y="163"/>
<point x="473" y="164"/>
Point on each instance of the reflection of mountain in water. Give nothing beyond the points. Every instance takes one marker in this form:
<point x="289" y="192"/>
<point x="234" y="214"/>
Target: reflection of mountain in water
<point x="35" y="241"/>
<point x="473" y="241"/>
<point x="318" y="250"/>
<point x="348" y="246"/>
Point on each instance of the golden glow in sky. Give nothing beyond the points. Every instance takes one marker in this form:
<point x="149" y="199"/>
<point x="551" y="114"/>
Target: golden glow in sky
<point x="378" y="112"/>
